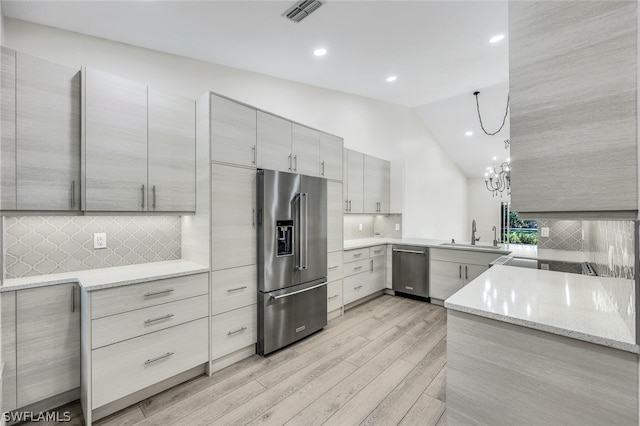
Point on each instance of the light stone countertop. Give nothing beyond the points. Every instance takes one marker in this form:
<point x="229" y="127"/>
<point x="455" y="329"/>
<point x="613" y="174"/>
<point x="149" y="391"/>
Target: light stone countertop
<point x="97" y="279"/>
<point x="572" y="305"/>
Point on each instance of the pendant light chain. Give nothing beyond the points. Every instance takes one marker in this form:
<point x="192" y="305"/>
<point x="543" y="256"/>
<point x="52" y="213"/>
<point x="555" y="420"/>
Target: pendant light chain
<point x="504" y="120"/>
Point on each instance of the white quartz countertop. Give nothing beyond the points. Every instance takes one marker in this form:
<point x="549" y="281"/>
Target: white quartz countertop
<point x="96" y="279"/>
<point x="518" y="250"/>
<point x="576" y="306"/>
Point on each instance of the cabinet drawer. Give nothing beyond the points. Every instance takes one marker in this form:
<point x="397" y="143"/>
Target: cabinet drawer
<point x="126" y="367"/>
<point x="358" y="267"/>
<point x="356" y="287"/>
<point x="233" y="330"/>
<point x="358" y="254"/>
<point x="136" y="296"/>
<point x="334" y="295"/>
<point x="334" y="266"/>
<point x="233" y="288"/>
<point x="377" y="251"/>
<point x="116" y="328"/>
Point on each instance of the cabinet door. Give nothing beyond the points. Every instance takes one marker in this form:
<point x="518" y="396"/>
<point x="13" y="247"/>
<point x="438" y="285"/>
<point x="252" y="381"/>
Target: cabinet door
<point x="171" y="153"/>
<point x="331" y="156"/>
<point x="445" y="278"/>
<point x="8" y="306"/>
<point x="335" y="222"/>
<point x="116" y="143"/>
<point x="356" y="185"/>
<point x="377" y="273"/>
<point x="48" y="342"/>
<point x="233" y="132"/>
<point x="573" y="72"/>
<point x="7" y="129"/>
<point x="47" y="135"/>
<point x="274" y="143"/>
<point x="471" y="272"/>
<point x="345" y="180"/>
<point x="233" y="217"/>
<point x="376" y="186"/>
<point x="305" y="147"/>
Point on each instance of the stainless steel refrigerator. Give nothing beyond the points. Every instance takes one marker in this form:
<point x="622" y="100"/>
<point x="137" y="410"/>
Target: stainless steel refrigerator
<point x="292" y="258"/>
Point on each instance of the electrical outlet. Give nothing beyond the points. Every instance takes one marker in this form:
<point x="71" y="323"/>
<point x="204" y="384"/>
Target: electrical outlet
<point x="544" y="232"/>
<point x="397" y="226"/>
<point x="99" y="240"/>
<point x="360" y="227"/>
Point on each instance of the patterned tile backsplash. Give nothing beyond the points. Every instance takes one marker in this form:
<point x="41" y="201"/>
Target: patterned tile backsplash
<point x="38" y="245"/>
<point x="563" y="235"/>
<point x="371" y="224"/>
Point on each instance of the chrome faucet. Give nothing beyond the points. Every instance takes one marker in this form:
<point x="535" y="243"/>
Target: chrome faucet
<point x="495" y="238"/>
<point x="473" y="233"/>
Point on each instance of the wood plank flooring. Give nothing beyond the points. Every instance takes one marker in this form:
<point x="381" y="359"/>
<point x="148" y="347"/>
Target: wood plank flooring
<point x="383" y="362"/>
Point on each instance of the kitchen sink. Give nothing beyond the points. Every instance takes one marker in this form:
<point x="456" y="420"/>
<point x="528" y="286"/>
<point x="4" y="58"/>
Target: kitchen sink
<point x="471" y="246"/>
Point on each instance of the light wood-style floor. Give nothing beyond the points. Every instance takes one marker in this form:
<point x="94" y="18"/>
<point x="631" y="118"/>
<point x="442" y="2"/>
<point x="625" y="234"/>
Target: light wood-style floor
<point x="383" y="362"/>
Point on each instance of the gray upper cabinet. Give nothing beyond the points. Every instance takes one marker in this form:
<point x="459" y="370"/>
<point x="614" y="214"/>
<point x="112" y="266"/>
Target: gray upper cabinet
<point x="8" y="197"/>
<point x="354" y="202"/>
<point x="573" y="89"/>
<point x="274" y="143"/>
<point x="233" y="132"/>
<point x="376" y="185"/>
<point x="140" y="147"/>
<point x="40" y="146"/>
<point x="116" y="143"/>
<point x="331" y="156"/>
<point x="305" y="148"/>
<point x="47" y="135"/>
<point x="48" y="342"/>
<point x="171" y="153"/>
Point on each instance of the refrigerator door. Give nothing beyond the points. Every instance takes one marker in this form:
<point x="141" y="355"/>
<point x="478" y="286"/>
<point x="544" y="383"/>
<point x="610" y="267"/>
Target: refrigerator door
<point x="288" y="315"/>
<point x="278" y="199"/>
<point x="313" y="229"/>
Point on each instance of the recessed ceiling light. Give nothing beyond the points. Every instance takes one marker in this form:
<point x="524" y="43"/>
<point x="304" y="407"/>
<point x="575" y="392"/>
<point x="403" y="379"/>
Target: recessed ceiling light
<point x="469" y="133"/>
<point x="496" y="38"/>
<point x="391" y="78"/>
<point x="320" y="52"/>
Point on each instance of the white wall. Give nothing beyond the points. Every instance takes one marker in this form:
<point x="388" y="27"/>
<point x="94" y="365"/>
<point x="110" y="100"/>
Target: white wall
<point x="434" y="199"/>
<point x="485" y="209"/>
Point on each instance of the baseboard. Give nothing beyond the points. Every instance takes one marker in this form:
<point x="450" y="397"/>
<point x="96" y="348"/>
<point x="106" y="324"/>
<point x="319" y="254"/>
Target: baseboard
<point x="232" y="358"/>
<point x="48" y="404"/>
<point x="363" y="300"/>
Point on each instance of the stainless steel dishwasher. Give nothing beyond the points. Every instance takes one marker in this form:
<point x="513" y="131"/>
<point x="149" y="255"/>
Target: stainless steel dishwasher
<point x="411" y="270"/>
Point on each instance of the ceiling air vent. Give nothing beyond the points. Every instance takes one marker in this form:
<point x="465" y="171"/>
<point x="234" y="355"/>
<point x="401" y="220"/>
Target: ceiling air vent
<point x="301" y="10"/>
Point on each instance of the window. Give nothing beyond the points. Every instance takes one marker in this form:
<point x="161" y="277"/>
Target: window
<point x="515" y="230"/>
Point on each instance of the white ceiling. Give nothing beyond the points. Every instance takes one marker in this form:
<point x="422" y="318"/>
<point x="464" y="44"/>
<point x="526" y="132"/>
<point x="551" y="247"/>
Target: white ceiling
<point x="438" y="49"/>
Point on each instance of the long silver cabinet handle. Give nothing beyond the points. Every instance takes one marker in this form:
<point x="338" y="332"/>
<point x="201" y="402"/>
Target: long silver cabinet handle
<point x="357" y="267"/>
<point x="410" y="251"/>
<point x="334" y="296"/>
<point x="153" y="190"/>
<point x="322" y="164"/>
<point x="349" y="205"/>
<point x="357" y="255"/>
<point x="158" y="358"/>
<point x="73" y="194"/>
<point x="253" y="218"/>
<point x="282" y="296"/>
<point x="152" y="320"/>
<point x="253" y="155"/>
<point x="240" y="330"/>
<point x="295" y="162"/>
<point x="73" y="299"/>
<point x="236" y="289"/>
<point x="377" y="251"/>
<point x="466" y="272"/>
<point x="159" y="293"/>
<point x="334" y="267"/>
<point x="358" y="287"/>
<point x="459" y="271"/>
<point x="142" y="197"/>
<point x="346" y="205"/>
<point x="289" y="162"/>
<point x="371" y="265"/>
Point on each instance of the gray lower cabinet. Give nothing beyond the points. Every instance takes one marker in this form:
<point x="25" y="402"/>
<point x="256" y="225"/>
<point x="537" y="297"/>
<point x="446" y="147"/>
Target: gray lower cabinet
<point x="115" y="143"/>
<point x="450" y="270"/>
<point x="42" y="344"/>
<point x="40" y="150"/>
<point x="171" y="153"/>
<point x="233" y="132"/>
<point x="572" y="77"/>
<point x="233" y="217"/>
<point x="364" y="272"/>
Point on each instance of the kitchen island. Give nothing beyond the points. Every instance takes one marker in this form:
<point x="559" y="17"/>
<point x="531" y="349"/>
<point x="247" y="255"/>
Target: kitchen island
<point x="527" y="346"/>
